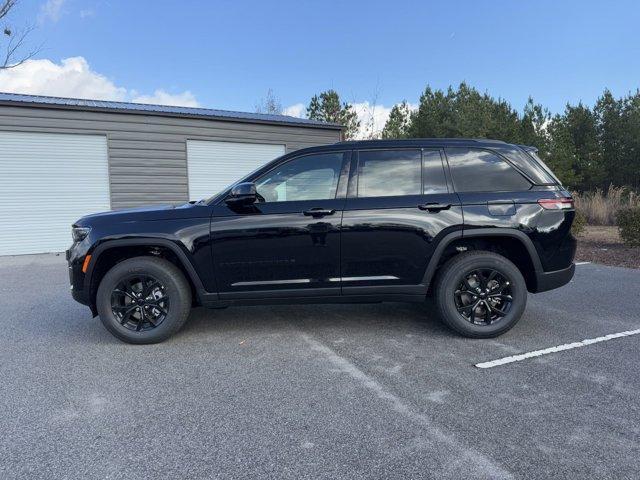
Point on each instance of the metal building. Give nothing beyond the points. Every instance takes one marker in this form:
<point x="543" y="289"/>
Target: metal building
<point x="62" y="158"/>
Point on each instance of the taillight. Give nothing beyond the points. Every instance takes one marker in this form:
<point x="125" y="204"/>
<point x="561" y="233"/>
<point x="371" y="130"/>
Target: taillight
<point x="556" y="203"/>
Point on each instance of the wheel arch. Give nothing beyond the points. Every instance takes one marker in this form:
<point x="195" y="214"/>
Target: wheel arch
<point x="113" y="251"/>
<point x="513" y="244"/>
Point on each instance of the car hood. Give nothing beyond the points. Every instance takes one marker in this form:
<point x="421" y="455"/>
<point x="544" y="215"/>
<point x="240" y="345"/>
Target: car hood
<point x="146" y="213"/>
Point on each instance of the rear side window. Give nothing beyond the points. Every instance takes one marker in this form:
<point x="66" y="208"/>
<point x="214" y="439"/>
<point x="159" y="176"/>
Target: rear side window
<point x="475" y="170"/>
<point x="387" y="173"/>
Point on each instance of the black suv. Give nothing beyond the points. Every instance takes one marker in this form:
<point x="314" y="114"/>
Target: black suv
<point x="474" y="224"/>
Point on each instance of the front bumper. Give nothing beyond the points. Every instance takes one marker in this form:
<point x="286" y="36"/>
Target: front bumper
<point x="80" y="296"/>
<point x="76" y="277"/>
<point x="549" y="280"/>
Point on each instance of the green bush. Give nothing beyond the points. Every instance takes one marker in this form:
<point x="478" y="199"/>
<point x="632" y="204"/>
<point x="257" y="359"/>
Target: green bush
<point x="628" y="220"/>
<point x="579" y="221"/>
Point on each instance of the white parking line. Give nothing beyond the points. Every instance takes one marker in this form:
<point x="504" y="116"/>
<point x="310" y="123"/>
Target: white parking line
<point x="482" y="465"/>
<point x="559" y="348"/>
<point x="582" y="263"/>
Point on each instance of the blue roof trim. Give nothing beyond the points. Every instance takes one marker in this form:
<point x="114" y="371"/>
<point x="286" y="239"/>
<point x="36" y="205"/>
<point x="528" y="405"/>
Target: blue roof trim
<point x="163" y="109"/>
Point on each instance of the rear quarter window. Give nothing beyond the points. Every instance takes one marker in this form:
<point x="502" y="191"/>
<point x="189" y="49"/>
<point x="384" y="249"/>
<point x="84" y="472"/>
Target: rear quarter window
<point x="528" y="163"/>
<point x="477" y="170"/>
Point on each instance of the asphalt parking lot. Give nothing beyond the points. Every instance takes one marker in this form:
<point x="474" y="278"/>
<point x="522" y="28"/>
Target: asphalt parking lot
<point x="339" y="391"/>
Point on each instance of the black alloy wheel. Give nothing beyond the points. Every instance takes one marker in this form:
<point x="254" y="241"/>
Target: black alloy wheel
<point x="144" y="299"/>
<point x="484" y="296"/>
<point x="140" y="302"/>
<point x="480" y="294"/>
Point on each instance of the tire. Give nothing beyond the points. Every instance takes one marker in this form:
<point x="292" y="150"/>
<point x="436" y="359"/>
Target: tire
<point x="450" y="301"/>
<point x="169" y="286"/>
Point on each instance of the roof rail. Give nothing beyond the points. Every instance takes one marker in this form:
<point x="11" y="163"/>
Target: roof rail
<point x="416" y="140"/>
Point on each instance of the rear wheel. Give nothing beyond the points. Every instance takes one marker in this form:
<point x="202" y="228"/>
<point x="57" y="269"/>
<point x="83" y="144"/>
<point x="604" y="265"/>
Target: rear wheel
<point x="143" y="300"/>
<point x="480" y="294"/>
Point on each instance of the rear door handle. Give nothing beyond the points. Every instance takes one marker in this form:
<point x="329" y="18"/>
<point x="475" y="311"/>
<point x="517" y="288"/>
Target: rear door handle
<point x="434" y="207"/>
<point x="318" y="212"/>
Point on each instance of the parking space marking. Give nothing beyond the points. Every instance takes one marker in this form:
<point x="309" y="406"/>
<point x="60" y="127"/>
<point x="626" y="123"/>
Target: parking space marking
<point x="485" y="466"/>
<point x="582" y="263"/>
<point x="559" y="348"/>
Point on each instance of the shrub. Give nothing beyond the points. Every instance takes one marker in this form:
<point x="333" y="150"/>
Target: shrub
<point x="628" y="220"/>
<point x="600" y="207"/>
<point x="579" y="222"/>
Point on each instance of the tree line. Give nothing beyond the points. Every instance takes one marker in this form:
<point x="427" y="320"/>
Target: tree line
<point x="587" y="147"/>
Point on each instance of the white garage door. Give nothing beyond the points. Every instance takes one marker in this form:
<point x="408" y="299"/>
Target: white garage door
<point x="215" y="165"/>
<point x="47" y="182"/>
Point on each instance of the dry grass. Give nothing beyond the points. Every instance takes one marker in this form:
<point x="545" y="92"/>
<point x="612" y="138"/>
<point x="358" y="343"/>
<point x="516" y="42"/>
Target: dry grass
<point x="600" y="207"/>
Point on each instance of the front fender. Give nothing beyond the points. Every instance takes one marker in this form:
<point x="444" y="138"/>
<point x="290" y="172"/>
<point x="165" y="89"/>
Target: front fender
<point x="179" y="251"/>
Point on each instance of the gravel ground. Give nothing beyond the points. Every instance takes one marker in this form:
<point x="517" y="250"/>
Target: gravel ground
<point x="335" y="391"/>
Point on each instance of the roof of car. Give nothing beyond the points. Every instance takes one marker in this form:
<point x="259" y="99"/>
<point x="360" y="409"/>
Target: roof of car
<point x="423" y="141"/>
<point x="167" y="110"/>
<point x="409" y="143"/>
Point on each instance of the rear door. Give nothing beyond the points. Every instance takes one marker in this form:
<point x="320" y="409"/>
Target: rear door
<point x="399" y="205"/>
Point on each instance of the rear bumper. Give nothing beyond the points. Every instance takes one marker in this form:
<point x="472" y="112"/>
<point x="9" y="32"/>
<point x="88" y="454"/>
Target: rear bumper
<point x="549" y="280"/>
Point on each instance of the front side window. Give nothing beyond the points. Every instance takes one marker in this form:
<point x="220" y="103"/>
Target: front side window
<point x="386" y="173"/>
<point x="476" y="170"/>
<point x="312" y="177"/>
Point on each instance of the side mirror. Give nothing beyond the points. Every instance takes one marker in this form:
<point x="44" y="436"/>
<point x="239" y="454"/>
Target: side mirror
<point x="243" y="194"/>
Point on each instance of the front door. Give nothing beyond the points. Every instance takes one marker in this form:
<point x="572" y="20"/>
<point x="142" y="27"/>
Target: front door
<point x="288" y="243"/>
<point x="398" y="207"/>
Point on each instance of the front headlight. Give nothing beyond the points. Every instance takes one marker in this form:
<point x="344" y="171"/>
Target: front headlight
<point x="79" y="233"/>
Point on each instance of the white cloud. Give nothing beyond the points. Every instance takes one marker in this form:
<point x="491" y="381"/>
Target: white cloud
<point x="372" y="117"/>
<point x="73" y="77"/>
<point x="50" y="10"/>
<point x="296" y="110"/>
<point x="160" y="97"/>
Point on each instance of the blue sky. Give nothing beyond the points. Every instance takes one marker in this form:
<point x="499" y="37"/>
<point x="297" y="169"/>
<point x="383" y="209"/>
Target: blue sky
<point x="227" y="54"/>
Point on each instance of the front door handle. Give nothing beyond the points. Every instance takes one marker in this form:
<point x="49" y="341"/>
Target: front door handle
<point x="318" y="212"/>
<point x="434" y="207"/>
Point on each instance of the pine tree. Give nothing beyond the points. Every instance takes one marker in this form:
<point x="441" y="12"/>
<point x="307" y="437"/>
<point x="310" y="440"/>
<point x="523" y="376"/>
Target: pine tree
<point x="327" y="107"/>
<point x="397" y="125"/>
<point x="580" y="123"/>
<point x="561" y="155"/>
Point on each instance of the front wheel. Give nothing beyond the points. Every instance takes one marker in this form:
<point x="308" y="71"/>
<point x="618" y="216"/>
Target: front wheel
<point x="480" y="294"/>
<point x="143" y="300"/>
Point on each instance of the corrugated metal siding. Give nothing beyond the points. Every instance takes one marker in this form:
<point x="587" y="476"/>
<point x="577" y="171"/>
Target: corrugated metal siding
<point x="147" y="153"/>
